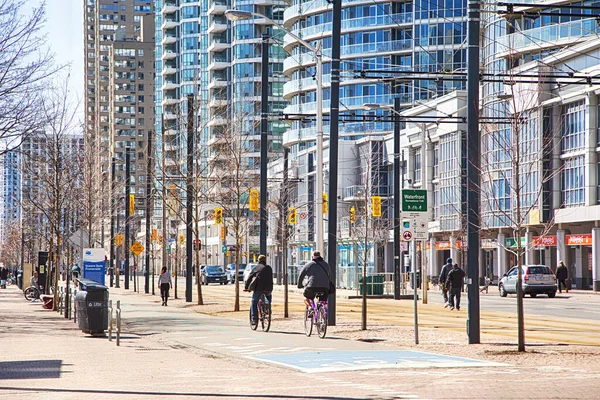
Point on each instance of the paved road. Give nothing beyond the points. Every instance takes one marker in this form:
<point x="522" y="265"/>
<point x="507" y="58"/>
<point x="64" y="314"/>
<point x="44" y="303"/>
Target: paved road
<point x="173" y="352"/>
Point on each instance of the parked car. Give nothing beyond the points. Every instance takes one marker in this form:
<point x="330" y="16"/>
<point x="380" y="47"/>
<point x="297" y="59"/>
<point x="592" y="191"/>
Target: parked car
<point x="248" y="270"/>
<point x="213" y="274"/>
<point x="536" y="279"/>
<point x="231" y="272"/>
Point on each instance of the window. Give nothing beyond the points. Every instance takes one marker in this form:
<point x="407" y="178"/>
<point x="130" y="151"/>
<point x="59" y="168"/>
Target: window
<point x="573" y="180"/>
<point x="417" y="163"/>
<point x="141" y="87"/>
<point x="573" y="126"/>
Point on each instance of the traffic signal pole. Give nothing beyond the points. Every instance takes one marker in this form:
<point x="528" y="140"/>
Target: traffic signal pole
<point x="127" y="216"/>
<point x="189" y="201"/>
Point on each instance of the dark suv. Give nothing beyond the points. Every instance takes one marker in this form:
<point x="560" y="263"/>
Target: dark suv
<point x="231" y="272"/>
<point x="536" y="279"/>
<point x="213" y="274"/>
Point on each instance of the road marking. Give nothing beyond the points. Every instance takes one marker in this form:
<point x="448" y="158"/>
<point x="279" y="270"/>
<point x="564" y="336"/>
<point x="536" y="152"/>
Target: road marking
<point x="330" y="361"/>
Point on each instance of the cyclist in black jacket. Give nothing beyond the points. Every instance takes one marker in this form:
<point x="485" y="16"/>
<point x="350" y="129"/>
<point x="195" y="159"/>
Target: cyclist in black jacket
<point x="259" y="281"/>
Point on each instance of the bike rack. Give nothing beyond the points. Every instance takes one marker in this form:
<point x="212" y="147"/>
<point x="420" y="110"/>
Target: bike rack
<point x="118" y="322"/>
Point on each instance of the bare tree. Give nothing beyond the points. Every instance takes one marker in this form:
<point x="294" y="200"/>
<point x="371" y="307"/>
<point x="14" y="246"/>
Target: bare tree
<point x="52" y="167"/>
<point x="24" y="69"/>
<point x="10" y="254"/>
<point x="515" y="170"/>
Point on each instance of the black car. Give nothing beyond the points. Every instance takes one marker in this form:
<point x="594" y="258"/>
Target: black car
<point x="213" y="274"/>
<point x="231" y="272"/>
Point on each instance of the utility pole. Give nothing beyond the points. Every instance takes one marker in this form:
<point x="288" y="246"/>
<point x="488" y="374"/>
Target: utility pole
<point x="473" y="171"/>
<point x="149" y="204"/>
<point x="333" y="153"/>
<point x="112" y="221"/>
<point x="164" y="199"/>
<point x="284" y="232"/>
<point x="264" y="143"/>
<point x="397" y="198"/>
<point x="127" y="193"/>
<point x="189" y="201"/>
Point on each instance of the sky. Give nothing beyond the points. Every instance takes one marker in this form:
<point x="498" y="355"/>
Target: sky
<point x="64" y="27"/>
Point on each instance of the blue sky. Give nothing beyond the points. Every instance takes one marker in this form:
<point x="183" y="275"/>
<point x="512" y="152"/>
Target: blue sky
<point x="64" y="27"/>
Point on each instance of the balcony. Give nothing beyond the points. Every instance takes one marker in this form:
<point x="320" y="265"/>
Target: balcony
<point x="169" y="101"/>
<point x="217" y="121"/>
<point x="169" y="85"/>
<point x="549" y="36"/>
<point x="170" y="7"/>
<point x="218" y="25"/>
<point x="169" y="70"/>
<point x="168" y="39"/>
<point x="218" y="102"/>
<point x="169" y="116"/>
<point x="169" y="55"/>
<point x="218" y="64"/>
<point x="357" y="192"/>
<point x="217" y="83"/>
<point x="217" y="7"/>
<point x="218" y="45"/>
<point x="169" y="23"/>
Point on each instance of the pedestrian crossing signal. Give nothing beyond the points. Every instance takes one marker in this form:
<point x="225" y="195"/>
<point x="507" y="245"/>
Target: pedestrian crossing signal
<point x="352" y="215"/>
<point x="292" y="218"/>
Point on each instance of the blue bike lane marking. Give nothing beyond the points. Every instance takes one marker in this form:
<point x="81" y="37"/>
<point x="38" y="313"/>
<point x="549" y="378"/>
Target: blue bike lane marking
<point x="330" y="361"/>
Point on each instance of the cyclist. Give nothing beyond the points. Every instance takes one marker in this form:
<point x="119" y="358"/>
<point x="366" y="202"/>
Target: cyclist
<point x="34" y="281"/>
<point x="259" y="281"/>
<point x="317" y="275"/>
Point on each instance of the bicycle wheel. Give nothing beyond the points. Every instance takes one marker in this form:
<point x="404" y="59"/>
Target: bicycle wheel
<point x="308" y="323"/>
<point x="266" y="316"/>
<point x="321" y="322"/>
<point x="253" y="324"/>
<point x="31" y="293"/>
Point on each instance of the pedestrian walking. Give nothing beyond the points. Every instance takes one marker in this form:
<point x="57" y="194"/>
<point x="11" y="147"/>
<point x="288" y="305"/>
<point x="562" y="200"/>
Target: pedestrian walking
<point x="3" y="277"/>
<point x="164" y="283"/>
<point x="454" y="283"/>
<point x="442" y="280"/>
<point x="562" y="274"/>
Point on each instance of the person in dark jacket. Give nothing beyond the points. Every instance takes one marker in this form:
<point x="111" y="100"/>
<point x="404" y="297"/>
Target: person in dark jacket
<point x="442" y="280"/>
<point x="454" y="283"/>
<point x="259" y="281"/>
<point x="317" y="274"/>
<point x="562" y="274"/>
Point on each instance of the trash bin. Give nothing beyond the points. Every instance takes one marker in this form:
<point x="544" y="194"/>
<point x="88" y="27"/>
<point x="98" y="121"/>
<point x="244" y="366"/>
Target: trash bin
<point x="374" y="285"/>
<point x="92" y="306"/>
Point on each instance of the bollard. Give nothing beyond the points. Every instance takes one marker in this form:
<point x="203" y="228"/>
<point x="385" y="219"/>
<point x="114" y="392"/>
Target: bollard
<point x="70" y="294"/>
<point x="110" y="321"/>
<point x="118" y="322"/>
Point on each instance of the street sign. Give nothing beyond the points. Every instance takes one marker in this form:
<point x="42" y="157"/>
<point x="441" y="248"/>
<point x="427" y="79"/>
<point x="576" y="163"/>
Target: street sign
<point x="407" y="235"/>
<point x="407" y="230"/>
<point x="224" y="249"/>
<point x="414" y="200"/>
<point x="137" y="248"/>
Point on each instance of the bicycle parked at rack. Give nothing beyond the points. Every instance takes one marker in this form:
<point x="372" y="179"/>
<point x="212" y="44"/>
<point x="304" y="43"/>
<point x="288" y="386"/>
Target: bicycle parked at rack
<point x="264" y="314"/>
<point x="317" y="316"/>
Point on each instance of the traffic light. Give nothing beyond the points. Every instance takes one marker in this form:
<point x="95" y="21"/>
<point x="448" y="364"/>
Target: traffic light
<point x="218" y="216"/>
<point x="254" y="200"/>
<point x="154" y="235"/>
<point x="352" y="215"/>
<point x="182" y="239"/>
<point x="292" y="216"/>
<point x="131" y="204"/>
<point x="197" y="245"/>
<point x="223" y="233"/>
<point x="119" y="239"/>
<point x="376" y="206"/>
<point x="325" y="203"/>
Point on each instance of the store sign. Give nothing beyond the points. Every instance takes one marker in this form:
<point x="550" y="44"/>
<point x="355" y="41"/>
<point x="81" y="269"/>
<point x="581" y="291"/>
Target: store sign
<point x="579" y="240"/>
<point x="512" y="242"/>
<point x="446" y="245"/>
<point x="489" y="243"/>
<point x="540" y="241"/>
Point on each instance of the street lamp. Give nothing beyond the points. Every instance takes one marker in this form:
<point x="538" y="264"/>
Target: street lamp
<point x="237" y="15"/>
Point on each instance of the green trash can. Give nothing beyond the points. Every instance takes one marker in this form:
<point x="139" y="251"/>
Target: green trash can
<point x="374" y="285"/>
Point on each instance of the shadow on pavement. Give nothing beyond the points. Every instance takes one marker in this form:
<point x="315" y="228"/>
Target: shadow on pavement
<point x="186" y="394"/>
<point x="35" y="369"/>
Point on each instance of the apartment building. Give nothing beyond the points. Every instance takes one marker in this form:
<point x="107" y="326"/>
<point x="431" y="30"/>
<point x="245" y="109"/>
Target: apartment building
<point x="10" y="192"/>
<point x="119" y="87"/>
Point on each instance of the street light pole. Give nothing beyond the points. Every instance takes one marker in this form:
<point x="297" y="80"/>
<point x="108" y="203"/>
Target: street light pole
<point x="397" y="199"/>
<point x="319" y="228"/>
<point x="264" y="144"/>
<point x="127" y="216"/>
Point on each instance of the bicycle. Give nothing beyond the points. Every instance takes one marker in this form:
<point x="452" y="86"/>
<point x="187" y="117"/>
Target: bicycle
<point x="264" y="314"/>
<point x="31" y="293"/>
<point x="317" y="318"/>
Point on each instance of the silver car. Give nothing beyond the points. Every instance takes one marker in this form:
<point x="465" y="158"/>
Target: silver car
<point x="248" y="270"/>
<point x="536" y="279"/>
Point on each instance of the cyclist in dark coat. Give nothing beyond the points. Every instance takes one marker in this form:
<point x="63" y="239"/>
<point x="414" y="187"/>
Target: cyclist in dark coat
<point x="316" y="273"/>
<point x="454" y="283"/>
<point x="260" y="281"/>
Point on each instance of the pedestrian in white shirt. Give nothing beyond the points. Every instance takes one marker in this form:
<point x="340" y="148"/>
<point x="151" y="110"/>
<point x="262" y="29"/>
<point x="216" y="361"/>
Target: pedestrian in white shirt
<point x="164" y="283"/>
